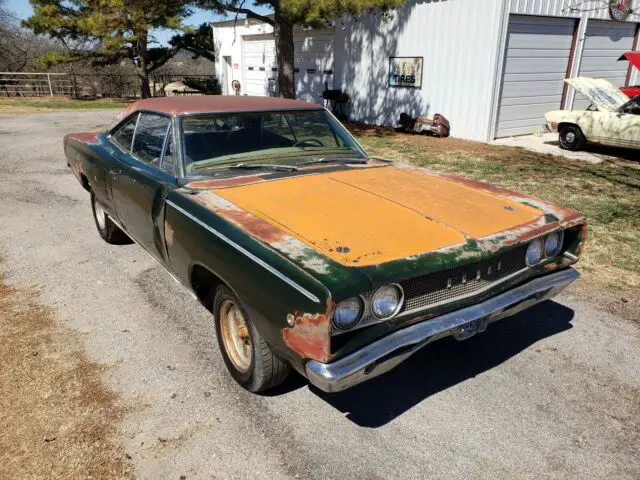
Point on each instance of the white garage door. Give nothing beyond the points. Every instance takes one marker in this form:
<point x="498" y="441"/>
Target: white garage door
<point x="259" y="65"/>
<point x="603" y="44"/>
<point x="536" y="62"/>
<point x="313" y="63"/>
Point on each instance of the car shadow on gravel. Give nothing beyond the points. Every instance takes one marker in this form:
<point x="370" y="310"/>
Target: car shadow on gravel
<point x="446" y="363"/>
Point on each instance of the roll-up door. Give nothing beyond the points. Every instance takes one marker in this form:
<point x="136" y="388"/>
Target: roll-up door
<point x="604" y="43"/>
<point x="537" y="57"/>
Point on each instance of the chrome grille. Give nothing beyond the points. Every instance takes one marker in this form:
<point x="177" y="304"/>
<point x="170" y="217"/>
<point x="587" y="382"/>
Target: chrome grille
<point x="445" y="286"/>
<point x="450" y="285"/>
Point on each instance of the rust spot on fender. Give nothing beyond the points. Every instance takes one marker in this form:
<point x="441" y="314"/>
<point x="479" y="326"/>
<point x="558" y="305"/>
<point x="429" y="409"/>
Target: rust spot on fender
<point x="263" y="230"/>
<point x="85" y="137"/>
<point x="241" y="218"/>
<point x="168" y="234"/>
<point x="310" y="336"/>
<point x="254" y="225"/>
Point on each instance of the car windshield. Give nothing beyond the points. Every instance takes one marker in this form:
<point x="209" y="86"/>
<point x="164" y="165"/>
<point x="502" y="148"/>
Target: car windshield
<point x="632" y="106"/>
<point x="285" y="138"/>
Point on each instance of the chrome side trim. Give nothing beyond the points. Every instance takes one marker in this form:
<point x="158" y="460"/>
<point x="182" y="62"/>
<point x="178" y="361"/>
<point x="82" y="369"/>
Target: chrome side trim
<point x="388" y="352"/>
<point x="247" y="253"/>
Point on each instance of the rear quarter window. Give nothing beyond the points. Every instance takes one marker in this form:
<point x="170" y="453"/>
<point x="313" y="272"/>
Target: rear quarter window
<point x="123" y="135"/>
<point x="149" y="137"/>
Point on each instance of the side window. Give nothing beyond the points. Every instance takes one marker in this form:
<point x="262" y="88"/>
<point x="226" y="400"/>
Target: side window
<point x="168" y="160"/>
<point x="124" y="134"/>
<point x="149" y="139"/>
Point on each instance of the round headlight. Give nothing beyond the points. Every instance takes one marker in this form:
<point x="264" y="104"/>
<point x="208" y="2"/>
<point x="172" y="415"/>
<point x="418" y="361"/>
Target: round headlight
<point x="386" y="302"/>
<point x="553" y="244"/>
<point x="534" y="252"/>
<point x="348" y="313"/>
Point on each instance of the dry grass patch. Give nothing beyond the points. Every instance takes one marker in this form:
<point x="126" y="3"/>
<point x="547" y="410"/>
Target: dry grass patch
<point x="608" y="194"/>
<point x="57" y="420"/>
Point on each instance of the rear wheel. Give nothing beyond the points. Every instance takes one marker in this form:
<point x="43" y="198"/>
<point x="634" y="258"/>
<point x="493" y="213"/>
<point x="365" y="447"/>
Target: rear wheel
<point x="108" y="230"/>
<point x="248" y="357"/>
<point x="572" y="138"/>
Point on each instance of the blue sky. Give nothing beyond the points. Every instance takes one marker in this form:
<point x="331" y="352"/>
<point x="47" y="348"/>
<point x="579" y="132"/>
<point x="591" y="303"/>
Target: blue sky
<point x="23" y="10"/>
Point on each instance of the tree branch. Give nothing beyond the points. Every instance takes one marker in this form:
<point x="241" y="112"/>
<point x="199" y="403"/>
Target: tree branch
<point x="232" y="7"/>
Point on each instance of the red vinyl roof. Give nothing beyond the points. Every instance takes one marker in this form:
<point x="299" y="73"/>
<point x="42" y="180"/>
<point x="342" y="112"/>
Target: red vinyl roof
<point x="218" y="103"/>
<point x="633" y="57"/>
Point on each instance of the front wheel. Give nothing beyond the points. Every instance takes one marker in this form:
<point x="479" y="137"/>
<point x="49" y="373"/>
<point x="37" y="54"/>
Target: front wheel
<point x="572" y="138"/>
<point x="248" y="357"/>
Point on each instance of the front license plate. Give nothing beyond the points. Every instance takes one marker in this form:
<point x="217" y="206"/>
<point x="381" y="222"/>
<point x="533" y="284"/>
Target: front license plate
<point x="471" y="329"/>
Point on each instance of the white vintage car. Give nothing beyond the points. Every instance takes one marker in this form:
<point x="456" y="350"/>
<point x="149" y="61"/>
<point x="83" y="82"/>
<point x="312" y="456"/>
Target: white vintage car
<point x="611" y="119"/>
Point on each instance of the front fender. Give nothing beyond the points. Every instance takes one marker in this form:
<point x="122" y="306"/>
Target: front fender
<point x="293" y="309"/>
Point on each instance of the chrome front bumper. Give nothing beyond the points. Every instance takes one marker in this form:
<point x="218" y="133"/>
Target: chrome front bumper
<point x="388" y="352"/>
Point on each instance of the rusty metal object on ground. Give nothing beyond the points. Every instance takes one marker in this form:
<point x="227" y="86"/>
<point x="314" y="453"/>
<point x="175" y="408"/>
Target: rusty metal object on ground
<point x="438" y="125"/>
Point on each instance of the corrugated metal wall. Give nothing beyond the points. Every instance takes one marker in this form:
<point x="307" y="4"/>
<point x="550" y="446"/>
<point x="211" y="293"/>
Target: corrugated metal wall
<point x="559" y="8"/>
<point x="463" y="44"/>
<point x="459" y="42"/>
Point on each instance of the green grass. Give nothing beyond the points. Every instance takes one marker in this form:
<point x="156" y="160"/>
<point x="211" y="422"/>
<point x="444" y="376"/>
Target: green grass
<point x="608" y="194"/>
<point x="56" y="103"/>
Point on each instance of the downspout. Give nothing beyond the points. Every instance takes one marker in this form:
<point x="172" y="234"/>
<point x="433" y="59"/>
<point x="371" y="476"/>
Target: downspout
<point x="499" y="65"/>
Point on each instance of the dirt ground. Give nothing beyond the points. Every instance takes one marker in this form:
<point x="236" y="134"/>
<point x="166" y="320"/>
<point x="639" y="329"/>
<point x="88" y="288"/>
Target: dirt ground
<point x="57" y="419"/>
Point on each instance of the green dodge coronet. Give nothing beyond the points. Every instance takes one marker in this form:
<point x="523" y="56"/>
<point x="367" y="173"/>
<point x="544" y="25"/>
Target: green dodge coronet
<point x="310" y="253"/>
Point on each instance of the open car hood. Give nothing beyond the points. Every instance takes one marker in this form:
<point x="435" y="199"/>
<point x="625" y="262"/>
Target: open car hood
<point x="633" y="57"/>
<point x="601" y="93"/>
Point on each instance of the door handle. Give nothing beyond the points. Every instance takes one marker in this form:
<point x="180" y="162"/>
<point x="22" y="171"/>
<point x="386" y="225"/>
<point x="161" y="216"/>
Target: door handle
<point x="116" y="172"/>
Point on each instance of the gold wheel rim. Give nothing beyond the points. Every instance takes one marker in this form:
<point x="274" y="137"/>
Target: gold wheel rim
<point x="235" y="336"/>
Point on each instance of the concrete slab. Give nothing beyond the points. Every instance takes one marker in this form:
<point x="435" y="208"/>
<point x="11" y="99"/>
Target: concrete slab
<point x="548" y="143"/>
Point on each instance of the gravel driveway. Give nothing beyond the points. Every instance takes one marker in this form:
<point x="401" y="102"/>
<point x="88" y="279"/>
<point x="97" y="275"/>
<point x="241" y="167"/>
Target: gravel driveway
<point x="551" y="393"/>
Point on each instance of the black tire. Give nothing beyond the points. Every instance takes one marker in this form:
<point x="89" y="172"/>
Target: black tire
<point x="265" y="370"/>
<point x="572" y="138"/>
<point x="108" y="230"/>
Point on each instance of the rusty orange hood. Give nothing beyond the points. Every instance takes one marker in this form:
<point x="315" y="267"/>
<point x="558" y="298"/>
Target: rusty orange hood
<point x="367" y="216"/>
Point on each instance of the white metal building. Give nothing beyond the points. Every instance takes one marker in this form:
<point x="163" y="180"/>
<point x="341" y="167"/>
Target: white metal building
<point x="492" y="67"/>
<point x="247" y="53"/>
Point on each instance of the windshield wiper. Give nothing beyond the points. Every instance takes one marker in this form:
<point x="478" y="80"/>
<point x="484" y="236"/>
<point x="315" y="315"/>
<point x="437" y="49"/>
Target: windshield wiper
<point x="264" y="166"/>
<point x="359" y="161"/>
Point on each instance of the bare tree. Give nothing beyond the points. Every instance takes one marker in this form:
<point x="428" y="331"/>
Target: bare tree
<point x="19" y="48"/>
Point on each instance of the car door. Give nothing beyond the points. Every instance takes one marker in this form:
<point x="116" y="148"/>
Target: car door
<point x="141" y="179"/>
<point x="629" y="124"/>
